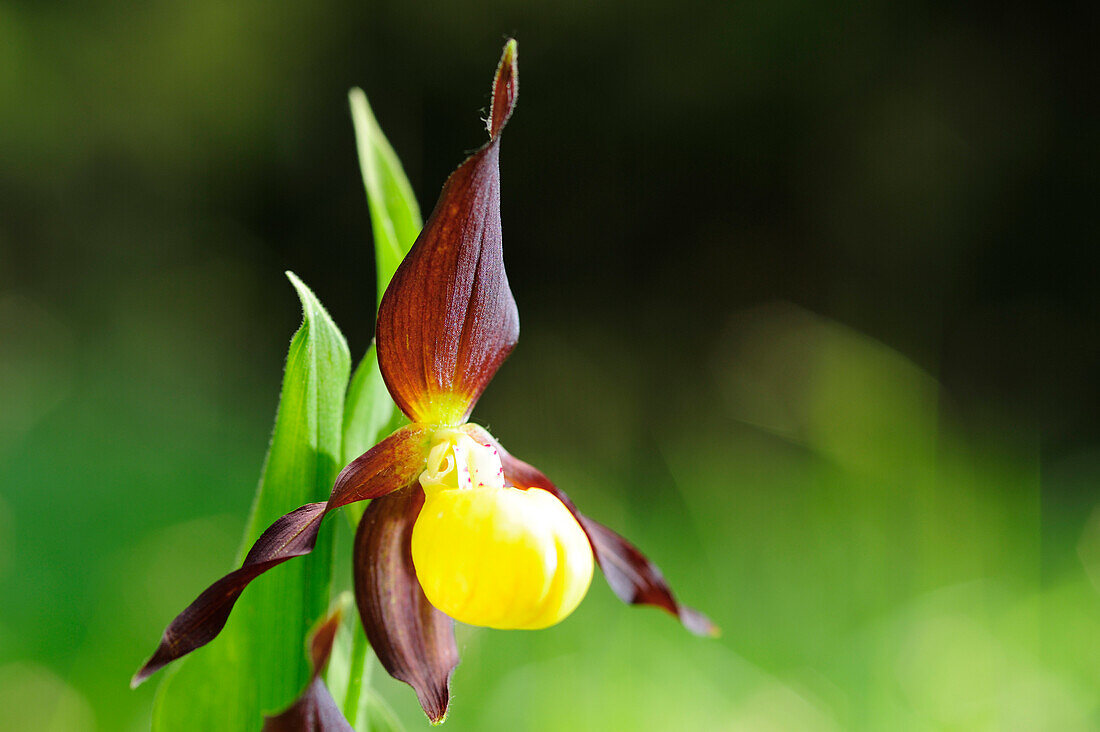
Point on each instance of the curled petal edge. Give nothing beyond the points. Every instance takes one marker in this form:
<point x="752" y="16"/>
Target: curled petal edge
<point x="388" y="466"/>
<point x="413" y="640"/>
<point x="631" y="575"/>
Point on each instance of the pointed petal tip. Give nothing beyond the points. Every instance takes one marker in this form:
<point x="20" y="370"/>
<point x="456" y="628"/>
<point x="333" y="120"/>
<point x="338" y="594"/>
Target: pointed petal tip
<point x="510" y="53"/>
<point x="505" y="88"/>
<point x="322" y="639"/>
<point x="698" y="623"/>
<point x="413" y="641"/>
<point x="154" y="664"/>
<point x="435" y="702"/>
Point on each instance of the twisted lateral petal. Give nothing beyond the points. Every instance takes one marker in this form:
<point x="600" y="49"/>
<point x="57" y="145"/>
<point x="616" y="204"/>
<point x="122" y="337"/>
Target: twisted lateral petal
<point x="414" y="641"/>
<point x="315" y="710"/>
<point x="448" y="319"/>
<point x="391" y="464"/>
<point x="635" y="579"/>
<point x="629" y="573"/>
<point x="293" y="535"/>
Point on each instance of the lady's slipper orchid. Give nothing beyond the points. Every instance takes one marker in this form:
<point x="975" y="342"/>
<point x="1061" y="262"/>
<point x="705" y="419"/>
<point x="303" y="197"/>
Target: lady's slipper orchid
<point x="458" y="528"/>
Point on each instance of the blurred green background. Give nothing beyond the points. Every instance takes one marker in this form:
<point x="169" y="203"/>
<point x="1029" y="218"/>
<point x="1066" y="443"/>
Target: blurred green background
<point x="809" y="314"/>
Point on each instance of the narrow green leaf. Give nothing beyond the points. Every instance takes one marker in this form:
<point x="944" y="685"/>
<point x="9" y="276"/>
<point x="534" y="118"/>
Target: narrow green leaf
<point x="257" y="664"/>
<point x="394" y="213"/>
<point x="369" y="412"/>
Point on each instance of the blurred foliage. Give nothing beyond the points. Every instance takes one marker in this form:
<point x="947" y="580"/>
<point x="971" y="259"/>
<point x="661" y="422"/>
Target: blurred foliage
<point x="808" y="313"/>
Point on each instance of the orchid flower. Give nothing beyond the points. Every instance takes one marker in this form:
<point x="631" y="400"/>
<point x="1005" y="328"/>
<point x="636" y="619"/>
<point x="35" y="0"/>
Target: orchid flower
<point x="458" y="529"/>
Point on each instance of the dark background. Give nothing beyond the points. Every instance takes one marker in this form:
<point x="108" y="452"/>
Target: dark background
<point x="808" y="301"/>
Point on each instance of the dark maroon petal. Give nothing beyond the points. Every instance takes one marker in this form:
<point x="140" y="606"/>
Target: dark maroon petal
<point x="448" y="320"/>
<point x="320" y="642"/>
<point x="315" y="710"/>
<point x="384" y="468"/>
<point x="632" y="577"/>
<point x="293" y="535"/>
<point x="391" y="464"/>
<point x="414" y="641"/>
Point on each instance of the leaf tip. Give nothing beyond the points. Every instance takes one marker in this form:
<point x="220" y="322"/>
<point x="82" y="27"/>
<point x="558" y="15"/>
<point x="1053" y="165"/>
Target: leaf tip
<point x="295" y="280"/>
<point x="362" y="119"/>
<point x="314" y="312"/>
<point x="310" y="304"/>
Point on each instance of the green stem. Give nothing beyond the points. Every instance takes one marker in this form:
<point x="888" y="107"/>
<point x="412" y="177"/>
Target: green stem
<point x="359" y="650"/>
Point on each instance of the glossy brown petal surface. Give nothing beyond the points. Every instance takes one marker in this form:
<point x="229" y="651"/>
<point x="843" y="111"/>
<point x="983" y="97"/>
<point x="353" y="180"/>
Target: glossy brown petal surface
<point x="315" y="710"/>
<point x="448" y="319"/>
<point x="391" y="464"/>
<point x="385" y="467"/>
<point x="414" y="641"/>
<point x="630" y="574"/>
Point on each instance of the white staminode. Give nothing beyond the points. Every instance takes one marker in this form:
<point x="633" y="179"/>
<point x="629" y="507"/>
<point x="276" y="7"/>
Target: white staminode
<point x="458" y="462"/>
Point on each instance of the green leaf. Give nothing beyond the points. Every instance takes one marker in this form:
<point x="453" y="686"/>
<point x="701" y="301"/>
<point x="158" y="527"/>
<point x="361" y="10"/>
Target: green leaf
<point x="370" y="414"/>
<point x="394" y="214"/>
<point x="257" y="664"/>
